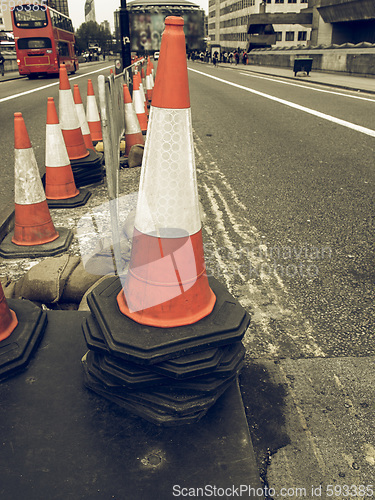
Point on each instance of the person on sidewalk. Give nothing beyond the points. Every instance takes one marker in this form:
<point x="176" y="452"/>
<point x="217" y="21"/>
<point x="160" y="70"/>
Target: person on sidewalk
<point x="2" y="61"/>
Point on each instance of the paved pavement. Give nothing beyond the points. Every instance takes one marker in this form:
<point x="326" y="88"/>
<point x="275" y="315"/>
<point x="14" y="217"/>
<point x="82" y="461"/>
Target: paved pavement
<point x="341" y="80"/>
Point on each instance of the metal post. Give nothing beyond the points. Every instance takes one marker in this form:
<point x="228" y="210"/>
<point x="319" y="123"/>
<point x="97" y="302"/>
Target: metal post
<point x="125" y="35"/>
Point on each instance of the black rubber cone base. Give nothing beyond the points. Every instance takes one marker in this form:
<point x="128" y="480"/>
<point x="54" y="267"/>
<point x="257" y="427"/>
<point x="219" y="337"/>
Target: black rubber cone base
<point x="172" y="402"/>
<point x="191" y="365"/>
<point x="60" y="441"/>
<point x="149" y="345"/>
<point x="17" y="349"/>
<point x="89" y="170"/>
<point x="9" y="250"/>
<point x="78" y="201"/>
<point x="115" y="372"/>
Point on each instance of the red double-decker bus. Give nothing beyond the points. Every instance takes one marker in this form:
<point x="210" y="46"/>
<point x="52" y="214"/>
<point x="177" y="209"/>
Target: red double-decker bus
<point x="44" y="39"/>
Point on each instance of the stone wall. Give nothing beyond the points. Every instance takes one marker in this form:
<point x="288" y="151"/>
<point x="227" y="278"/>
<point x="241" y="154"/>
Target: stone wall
<point x="356" y="61"/>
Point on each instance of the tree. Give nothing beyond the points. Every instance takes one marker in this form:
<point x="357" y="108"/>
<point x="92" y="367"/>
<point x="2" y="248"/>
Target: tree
<point x="90" y="33"/>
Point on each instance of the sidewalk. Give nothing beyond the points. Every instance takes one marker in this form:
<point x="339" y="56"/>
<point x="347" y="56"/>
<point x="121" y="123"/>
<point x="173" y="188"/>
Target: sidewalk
<point x="340" y="80"/>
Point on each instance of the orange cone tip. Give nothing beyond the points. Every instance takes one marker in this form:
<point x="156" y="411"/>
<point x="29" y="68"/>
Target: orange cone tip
<point x="8" y="318"/>
<point x="167" y="285"/>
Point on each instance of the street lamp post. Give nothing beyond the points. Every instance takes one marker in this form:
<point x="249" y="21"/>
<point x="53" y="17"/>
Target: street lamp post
<point x="125" y="35"/>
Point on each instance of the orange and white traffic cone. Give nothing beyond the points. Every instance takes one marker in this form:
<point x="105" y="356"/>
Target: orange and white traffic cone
<point x="69" y="120"/>
<point x="34" y="232"/>
<point x="149" y="81"/>
<point x="8" y="318"/>
<point x="138" y="103"/>
<point x="133" y="133"/>
<point x="92" y="113"/>
<point x="167" y="284"/>
<point x="82" y="118"/>
<point x="60" y="187"/>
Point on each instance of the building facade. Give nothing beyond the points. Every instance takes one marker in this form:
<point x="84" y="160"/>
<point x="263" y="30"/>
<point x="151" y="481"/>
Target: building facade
<point x="248" y="24"/>
<point x="90" y="11"/>
<point x="146" y="19"/>
<point x="60" y="5"/>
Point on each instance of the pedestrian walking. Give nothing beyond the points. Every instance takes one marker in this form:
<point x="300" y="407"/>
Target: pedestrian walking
<point x="237" y="57"/>
<point x="244" y="57"/>
<point x="2" y="61"/>
<point x="215" y="57"/>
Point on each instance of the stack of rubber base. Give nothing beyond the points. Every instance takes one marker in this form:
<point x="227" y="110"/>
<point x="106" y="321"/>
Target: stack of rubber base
<point x="167" y="376"/>
<point x="17" y="349"/>
<point x="88" y="170"/>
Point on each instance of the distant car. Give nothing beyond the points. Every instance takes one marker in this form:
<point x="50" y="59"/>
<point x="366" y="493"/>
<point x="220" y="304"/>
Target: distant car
<point x="156" y="55"/>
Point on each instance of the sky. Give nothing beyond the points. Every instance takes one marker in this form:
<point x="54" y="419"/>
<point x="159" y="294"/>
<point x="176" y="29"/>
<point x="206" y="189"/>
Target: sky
<point x="104" y="10"/>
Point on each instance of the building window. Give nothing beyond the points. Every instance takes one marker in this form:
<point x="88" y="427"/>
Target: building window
<point x="302" y="36"/>
<point x="269" y="1"/>
<point x="292" y="1"/>
<point x="289" y="36"/>
<point x="304" y="1"/>
<point x="279" y="36"/>
<point x="279" y="1"/>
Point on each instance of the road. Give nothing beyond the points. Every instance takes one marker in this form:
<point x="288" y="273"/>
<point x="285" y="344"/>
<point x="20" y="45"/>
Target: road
<point x="286" y="180"/>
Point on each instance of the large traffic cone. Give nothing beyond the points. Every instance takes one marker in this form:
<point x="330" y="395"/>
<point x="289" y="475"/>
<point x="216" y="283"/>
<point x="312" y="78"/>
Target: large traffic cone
<point x="34" y="232"/>
<point x="138" y="103"/>
<point x="69" y="120"/>
<point x="149" y="81"/>
<point x="8" y="318"/>
<point x="82" y="118"/>
<point x="92" y="113"/>
<point x="133" y="133"/>
<point x="61" y="190"/>
<point x="167" y="285"/>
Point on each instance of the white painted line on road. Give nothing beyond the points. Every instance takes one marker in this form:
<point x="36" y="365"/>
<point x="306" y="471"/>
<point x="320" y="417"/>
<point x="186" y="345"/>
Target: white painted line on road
<point x="338" y="121"/>
<point x="308" y="87"/>
<point x="14" y="96"/>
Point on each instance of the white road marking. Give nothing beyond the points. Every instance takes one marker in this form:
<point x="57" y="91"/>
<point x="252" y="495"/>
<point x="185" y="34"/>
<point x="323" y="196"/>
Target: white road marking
<point x="333" y="119"/>
<point x="308" y="87"/>
<point x="14" y="96"/>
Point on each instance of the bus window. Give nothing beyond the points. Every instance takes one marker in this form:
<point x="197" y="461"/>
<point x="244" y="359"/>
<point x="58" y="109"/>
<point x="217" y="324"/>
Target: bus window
<point x="63" y="49"/>
<point x="34" y="43"/>
<point x="30" y="18"/>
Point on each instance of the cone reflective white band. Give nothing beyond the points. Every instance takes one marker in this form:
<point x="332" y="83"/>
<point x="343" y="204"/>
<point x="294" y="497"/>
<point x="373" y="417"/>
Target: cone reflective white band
<point x="56" y="153"/>
<point x="67" y="112"/>
<point x="28" y="187"/>
<point x="138" y="102"/>
<point x="82" y="120"/>
<point x="131" y="121"/>
<point x="92" y="112"/>
<point x="168" y="194"/>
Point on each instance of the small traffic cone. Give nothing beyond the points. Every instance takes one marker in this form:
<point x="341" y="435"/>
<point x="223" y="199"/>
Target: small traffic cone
<point x="22" y="325"/>
<point x="142" y="89"/>
<point x="69" y="120"/>
<point x="34" y="232"/>
<point x="60" y="188"/>
<point x="138" y="104"/>
<point x="133" y="133"/>
<point x="8" y="318"/>
<point x="82" y="118"/>
<point x="149" y="81"/>
<point x="93" y="118"/>
<point x="167" y="285"/>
